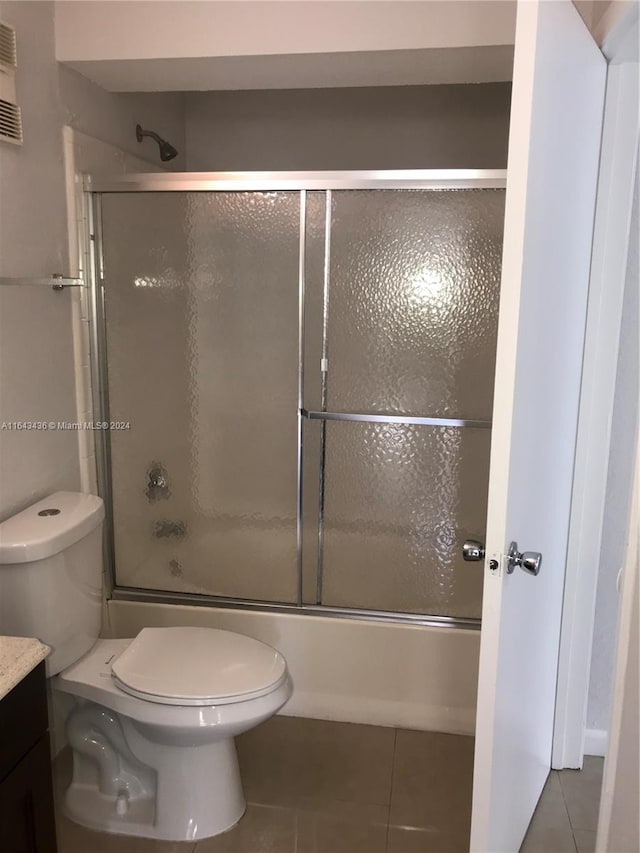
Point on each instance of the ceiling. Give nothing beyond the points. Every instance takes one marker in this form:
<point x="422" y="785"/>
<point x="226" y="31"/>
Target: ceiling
<point x="206" y="46"/>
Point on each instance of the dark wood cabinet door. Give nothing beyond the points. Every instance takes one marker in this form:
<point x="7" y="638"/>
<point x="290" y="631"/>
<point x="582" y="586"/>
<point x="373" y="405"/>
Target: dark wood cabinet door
<point x="27" y="823"/>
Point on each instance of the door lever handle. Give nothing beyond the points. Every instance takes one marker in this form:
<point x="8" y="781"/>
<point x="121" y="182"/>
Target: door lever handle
<point x="529" y="561"/>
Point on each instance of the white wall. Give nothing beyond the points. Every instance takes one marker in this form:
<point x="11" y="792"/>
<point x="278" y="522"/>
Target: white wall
<point x="37" y="380"/>
<point x="32" y="232"/>
<point x="112" y="118"/>
<point x="601" y="16"/>
<point x="36" y="351"/>
<point x="449" y="126"/>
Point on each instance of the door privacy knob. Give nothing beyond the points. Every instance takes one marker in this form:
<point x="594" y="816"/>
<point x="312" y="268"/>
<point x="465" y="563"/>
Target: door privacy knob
<point x="529" y="561"/>
<point x="472" y="551"/>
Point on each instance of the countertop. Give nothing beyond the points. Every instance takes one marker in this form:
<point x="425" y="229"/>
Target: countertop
<point x="18" y="656"/>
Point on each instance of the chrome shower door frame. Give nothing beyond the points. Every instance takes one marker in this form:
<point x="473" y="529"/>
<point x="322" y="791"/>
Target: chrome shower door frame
<point x="301" y="182"/>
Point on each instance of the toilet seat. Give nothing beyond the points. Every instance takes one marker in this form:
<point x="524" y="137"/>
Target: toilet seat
<point x="197" y="666"/>
<point x="91" y="679"/>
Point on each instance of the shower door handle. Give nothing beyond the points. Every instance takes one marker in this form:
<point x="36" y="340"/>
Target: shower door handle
<point x="472" y="551"/>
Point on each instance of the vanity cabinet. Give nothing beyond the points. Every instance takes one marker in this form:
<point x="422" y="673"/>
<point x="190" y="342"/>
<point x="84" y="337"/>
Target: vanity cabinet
<point x="27" y="823"/>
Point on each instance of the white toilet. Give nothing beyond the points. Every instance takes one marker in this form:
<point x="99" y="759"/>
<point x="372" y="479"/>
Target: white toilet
<point x="154" y="717"/>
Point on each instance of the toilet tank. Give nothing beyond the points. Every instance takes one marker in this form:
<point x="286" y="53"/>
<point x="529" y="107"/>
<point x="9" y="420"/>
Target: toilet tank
<point x="51" y="575"/>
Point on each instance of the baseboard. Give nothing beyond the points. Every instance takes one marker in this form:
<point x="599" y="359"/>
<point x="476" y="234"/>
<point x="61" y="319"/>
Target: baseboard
<point x="595" y="742"/>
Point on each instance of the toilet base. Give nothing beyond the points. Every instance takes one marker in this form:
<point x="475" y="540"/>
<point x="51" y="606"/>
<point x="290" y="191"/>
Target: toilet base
<point x="161" y="771"/>
<point x="199" y="794"/>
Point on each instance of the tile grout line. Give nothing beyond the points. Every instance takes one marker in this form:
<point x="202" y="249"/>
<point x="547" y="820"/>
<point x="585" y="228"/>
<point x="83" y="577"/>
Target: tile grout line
<point x="566" y="804"/>
<point x="566" y="809"/>
<point x="575" y="829"/>
<point x="575" y="840"/>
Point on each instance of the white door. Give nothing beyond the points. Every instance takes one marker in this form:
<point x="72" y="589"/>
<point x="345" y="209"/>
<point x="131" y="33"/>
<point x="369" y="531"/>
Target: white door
<point x="554" y="142"/>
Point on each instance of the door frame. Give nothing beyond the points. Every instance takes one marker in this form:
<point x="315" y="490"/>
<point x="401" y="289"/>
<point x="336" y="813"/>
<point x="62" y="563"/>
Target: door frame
<point x="617" y="819"/>
<point x="618" y="163"/>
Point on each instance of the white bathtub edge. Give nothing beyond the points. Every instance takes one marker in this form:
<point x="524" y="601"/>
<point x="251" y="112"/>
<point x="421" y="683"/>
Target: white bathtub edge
<point x="348" y="670"/>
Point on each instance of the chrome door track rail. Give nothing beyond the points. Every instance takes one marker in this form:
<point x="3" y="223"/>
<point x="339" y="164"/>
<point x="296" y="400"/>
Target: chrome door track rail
<point x="57" y="282"/>
<point x="190" y="599"/>
<point x="394" y="419"/>
<point x="384" y="179"/>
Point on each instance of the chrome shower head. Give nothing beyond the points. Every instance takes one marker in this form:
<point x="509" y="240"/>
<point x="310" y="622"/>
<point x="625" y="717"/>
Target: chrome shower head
<point x="167" y="151"/>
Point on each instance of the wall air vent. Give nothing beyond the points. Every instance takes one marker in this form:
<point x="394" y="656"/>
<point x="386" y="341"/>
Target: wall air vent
<point x="8" y="53"/>
<point x="10" y="116"/>
<point x="10" y="123"/>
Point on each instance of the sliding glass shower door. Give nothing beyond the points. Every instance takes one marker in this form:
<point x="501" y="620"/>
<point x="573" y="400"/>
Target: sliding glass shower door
<point x="308" y="379"/>
<point x="201" y="309"/>
<point x="410" y="309"/>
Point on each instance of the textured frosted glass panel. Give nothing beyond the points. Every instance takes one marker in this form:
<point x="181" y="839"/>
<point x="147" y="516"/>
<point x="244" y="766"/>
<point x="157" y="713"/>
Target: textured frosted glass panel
<point x="311" y="479"/>
<point x="413" y="306"/>
<point x="399" y="502"/>
<point x="202" y="335"/>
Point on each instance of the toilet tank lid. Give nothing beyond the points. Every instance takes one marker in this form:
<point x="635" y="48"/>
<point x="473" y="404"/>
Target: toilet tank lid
<point x="49" y="526"/>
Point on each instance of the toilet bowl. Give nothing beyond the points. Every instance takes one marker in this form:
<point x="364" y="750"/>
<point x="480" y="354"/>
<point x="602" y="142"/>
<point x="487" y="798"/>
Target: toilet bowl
<point x="153" y="724"/>
<point x="154" y="717"/>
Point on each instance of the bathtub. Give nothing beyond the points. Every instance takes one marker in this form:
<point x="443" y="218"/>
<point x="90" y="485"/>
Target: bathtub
<point x="352" y="670"/>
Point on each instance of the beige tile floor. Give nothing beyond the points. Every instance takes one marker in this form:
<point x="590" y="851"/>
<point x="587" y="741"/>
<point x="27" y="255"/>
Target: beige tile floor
<point x="320" y="787"/>
<point x="567" y="815"/>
